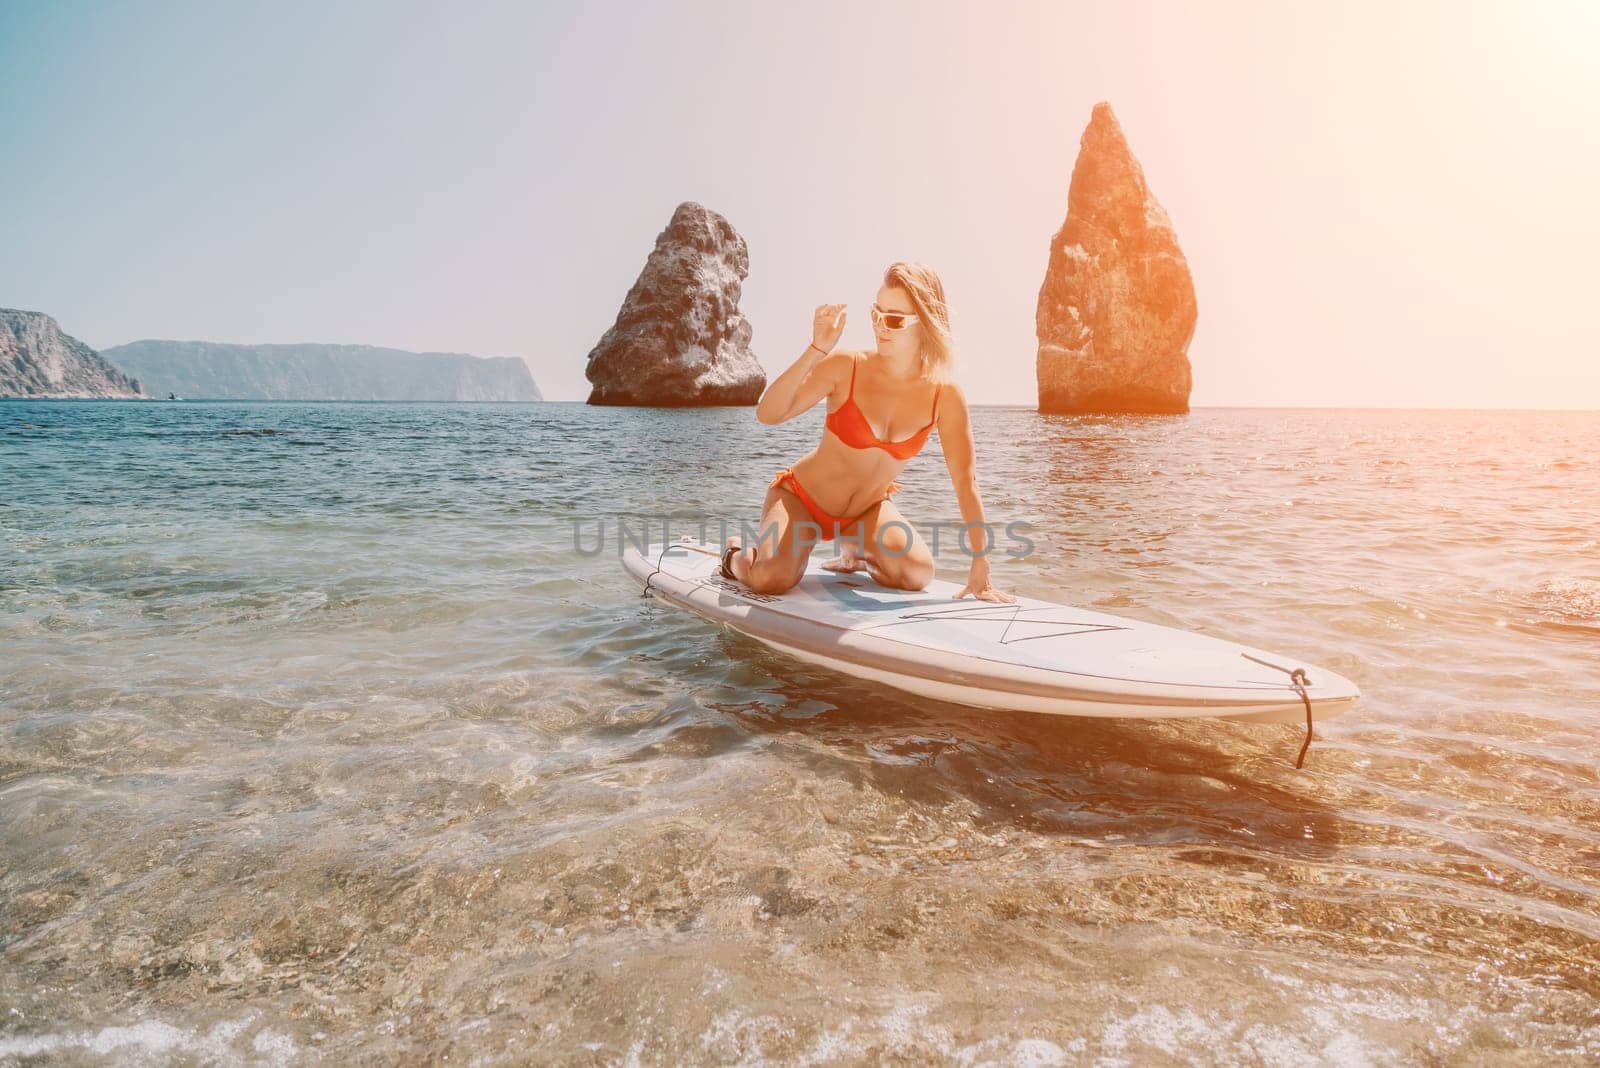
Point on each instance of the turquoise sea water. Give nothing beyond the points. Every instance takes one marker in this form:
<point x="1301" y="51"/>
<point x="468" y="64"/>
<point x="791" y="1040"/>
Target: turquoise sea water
<point x="320" y="741"/>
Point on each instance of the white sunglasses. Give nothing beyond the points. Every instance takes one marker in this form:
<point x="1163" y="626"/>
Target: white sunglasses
<point x="891" y="320"/>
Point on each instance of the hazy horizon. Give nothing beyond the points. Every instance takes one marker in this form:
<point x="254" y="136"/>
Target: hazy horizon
<point x="1383" y="206"/>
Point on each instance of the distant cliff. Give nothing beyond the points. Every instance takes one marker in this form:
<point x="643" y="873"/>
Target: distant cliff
<point x="38" y="360"/>
<point x="209" y="370"/>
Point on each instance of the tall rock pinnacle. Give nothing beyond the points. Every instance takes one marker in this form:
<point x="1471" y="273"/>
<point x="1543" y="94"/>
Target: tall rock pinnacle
<point x="1117" y="308"/>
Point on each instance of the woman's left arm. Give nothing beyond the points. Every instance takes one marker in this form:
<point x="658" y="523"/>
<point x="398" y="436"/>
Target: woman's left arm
<point x="955" y="435"/>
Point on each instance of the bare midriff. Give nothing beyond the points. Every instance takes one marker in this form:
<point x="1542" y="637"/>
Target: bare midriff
<point x="833" y="465"/>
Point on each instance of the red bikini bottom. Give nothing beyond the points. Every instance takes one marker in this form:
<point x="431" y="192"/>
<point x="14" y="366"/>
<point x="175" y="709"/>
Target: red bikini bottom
<point x="830" y="524"/>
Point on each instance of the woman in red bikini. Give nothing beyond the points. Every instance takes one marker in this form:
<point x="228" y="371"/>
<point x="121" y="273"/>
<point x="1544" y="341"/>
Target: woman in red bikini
<point x="902" y="389"/>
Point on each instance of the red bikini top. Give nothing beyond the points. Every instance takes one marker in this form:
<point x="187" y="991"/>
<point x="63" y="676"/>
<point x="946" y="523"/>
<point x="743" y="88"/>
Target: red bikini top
<point x="852" y="428"/>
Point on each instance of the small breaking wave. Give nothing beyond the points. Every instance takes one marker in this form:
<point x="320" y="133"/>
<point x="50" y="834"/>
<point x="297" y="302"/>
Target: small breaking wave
<point x="1569" y="602"/>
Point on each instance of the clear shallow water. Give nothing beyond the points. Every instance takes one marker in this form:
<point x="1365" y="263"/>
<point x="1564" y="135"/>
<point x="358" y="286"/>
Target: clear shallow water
<point x="325" y="744"/>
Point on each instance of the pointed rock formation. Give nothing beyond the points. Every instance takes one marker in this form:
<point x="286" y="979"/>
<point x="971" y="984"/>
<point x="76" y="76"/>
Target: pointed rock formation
<point x="1117" y="309"/>
<point x="38" y="360"/>
<point x="680" y="339"/>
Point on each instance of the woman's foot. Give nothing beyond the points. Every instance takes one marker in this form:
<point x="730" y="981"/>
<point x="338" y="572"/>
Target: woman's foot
<point x="847" y="560"/>
<point x="731" y="562"/>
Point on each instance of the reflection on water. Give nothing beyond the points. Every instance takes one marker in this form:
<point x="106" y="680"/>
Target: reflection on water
<point x="323" y="742"/>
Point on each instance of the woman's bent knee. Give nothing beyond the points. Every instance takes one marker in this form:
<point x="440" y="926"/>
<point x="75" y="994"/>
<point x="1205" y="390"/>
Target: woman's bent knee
<point x="772" y="578"/>
<point x="910" y="575"/>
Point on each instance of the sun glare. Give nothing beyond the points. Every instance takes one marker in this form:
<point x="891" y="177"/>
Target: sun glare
<point x="1567" y="31"/>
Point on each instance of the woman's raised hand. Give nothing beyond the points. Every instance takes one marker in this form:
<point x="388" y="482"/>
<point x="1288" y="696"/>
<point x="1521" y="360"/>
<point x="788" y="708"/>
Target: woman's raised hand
<point x="827" y="326"/>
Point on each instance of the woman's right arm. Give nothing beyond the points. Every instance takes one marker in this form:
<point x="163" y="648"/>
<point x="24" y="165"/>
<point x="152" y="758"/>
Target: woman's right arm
<point x="810" y="378"/>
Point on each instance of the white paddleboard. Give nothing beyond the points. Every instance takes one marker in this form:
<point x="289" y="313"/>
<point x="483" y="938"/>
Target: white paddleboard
<point x="1033" y="655"/>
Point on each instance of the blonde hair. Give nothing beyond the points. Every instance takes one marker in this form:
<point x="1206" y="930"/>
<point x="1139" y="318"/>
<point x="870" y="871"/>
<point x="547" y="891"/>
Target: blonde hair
<point x="921" y="282"/>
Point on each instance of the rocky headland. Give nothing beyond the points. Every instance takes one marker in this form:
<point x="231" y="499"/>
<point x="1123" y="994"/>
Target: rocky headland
<point x="38" y="360"/>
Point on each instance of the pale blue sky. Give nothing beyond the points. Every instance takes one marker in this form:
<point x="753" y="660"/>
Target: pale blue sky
<point x="1382" y="203"/>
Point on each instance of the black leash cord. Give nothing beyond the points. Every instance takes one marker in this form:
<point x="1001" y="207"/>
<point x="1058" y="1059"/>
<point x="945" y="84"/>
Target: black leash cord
<point x="1297" y="679"/>
<point x="659" y="557"/>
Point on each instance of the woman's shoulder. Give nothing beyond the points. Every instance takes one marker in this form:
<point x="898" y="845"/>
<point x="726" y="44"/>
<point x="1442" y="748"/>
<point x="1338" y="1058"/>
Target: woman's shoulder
<point x="836" y="369"/>
<point x="952" y="398"/>
<point x="845" y="361"/>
